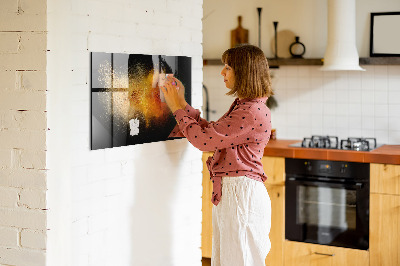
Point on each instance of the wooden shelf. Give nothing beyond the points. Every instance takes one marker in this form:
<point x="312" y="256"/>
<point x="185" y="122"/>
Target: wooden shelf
<point x="273" y="63"/>
<point x="380" y="61"/>
<point x="212" y="62"/>
<point x="294" y="62"/>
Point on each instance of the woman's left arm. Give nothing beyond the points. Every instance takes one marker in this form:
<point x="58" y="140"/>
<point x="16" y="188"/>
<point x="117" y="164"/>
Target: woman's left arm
<point x="174" y="96"/>
<point x="236" y="129"/>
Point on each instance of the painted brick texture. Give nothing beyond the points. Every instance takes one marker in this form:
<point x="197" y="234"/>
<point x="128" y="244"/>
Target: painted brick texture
<point x="135" y="205"/>
<point x="108" y="207"/>
<point x="23" y="132"/>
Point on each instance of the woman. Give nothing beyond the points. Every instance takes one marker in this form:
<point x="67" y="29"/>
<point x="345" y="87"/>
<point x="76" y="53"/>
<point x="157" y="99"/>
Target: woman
<point x="242" y="208"/>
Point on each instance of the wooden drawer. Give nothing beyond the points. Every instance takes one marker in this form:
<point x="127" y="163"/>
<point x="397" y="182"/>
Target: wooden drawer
<point x="304" y="254"/>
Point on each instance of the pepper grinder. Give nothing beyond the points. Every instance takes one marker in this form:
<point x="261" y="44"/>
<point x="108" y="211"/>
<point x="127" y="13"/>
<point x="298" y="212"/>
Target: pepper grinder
<point x="259" y="26"/>
<point x="276" y="38"/>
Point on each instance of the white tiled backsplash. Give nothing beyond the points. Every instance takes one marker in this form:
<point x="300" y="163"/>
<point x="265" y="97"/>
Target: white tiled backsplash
<point x="313" y="102"/>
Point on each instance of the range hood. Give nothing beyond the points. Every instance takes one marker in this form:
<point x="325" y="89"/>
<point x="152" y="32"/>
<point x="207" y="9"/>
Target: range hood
<point x="341" y="51"/>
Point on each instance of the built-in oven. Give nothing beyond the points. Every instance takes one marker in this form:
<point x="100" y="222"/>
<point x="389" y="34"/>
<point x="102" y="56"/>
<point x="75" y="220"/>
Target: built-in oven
<point x="327" y="202"/>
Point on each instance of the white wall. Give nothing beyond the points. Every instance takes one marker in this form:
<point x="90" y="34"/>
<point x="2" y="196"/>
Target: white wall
<point x="23" y="133"/>
<point x="306" y="19"/>
<point x="311" y="102"/>
<point x="343" y="104"/>
<point x="134" y="205"/>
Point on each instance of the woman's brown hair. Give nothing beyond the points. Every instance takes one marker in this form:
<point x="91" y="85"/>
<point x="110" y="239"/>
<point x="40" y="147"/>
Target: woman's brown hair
<point x="250" y="66"/>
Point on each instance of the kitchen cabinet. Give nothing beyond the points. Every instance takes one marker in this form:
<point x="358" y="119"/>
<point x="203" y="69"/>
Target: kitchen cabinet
<point x="305" y="254"/>
<point x="384" y="247"/>
<point x="385" y="178"/>
<point x="385" y="215"/>
<point x="274" y="168"/>
<point x="384" y="221"/>
<point x="385" y="230"/>
<point x="277" y="233"/>
<point x="206" y="226"/>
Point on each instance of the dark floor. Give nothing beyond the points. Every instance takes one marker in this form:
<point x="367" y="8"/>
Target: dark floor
<point x="206" y="261"/>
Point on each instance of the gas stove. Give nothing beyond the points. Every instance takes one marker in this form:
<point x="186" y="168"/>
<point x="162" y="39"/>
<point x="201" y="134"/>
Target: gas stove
<point x="332" y="142"/>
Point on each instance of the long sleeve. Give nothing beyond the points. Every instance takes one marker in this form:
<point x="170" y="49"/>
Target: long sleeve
<point x="195" y="114"/>
<point x="238" y="139"/>
<point x="229" y="131"/>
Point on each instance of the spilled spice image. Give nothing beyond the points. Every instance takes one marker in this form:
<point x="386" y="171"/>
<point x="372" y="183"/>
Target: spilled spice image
<point x="127" y="103"/>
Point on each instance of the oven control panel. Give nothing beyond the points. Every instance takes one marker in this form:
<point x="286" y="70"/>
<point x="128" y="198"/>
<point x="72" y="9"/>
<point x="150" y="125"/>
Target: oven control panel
<point x="325" y="167"/>
<point x="338" y="169"/>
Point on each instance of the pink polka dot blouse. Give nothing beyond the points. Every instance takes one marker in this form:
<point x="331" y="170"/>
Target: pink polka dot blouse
<point x="238" y="139"/>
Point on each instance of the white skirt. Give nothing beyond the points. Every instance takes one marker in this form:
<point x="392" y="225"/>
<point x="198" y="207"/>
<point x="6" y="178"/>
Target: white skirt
<point x="241" y="223"/>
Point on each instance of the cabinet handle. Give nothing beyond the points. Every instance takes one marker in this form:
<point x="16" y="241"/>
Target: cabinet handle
<point x="324" y="254"/>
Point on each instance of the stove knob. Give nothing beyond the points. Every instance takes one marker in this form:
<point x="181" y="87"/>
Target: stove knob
<point x="343" y="168"/>
<point x="308" y="166"/>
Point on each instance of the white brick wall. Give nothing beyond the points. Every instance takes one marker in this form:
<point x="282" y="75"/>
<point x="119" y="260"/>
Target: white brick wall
<point x="9" y="237"/>
<point x="23" y="132"/>
<point x="8" y="197"/>
<point x="135" y="205"/>
<point x="11" y="256"/>
<point x="34" y="239"/>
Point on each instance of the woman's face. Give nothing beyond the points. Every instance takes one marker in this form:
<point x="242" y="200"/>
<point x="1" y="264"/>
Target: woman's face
<point x="229" y="76"/>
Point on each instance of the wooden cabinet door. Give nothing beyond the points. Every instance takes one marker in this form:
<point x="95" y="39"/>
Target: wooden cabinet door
<point x="384" y="236"/>
<point x="304" y="254"/>
<point x="274" y="168"/>
<point x="277" y="233"/>
<point x="385" y="178"/>
<point x="206" y="226"/>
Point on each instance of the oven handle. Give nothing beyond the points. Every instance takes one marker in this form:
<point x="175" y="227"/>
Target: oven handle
<point x="357" y="185"/>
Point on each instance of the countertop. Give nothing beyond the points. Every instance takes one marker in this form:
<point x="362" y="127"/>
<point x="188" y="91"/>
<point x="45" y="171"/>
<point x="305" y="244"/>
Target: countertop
<point x="389" y="154"/>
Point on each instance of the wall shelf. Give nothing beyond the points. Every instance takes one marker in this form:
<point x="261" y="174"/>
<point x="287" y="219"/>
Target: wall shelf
<point x="274" y="63"/>
<point x="380" y="61"/>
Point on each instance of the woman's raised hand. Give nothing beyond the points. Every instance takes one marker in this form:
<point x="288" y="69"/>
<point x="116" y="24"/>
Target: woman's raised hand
<point x="181" y="91"/>
<point x="174" y="97"/>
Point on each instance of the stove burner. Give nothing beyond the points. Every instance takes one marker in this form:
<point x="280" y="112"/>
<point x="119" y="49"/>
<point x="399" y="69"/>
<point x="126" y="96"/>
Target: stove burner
<point x="332" y="142"/>
<point x="358" y="144"/>
<point x="328" y="142"/>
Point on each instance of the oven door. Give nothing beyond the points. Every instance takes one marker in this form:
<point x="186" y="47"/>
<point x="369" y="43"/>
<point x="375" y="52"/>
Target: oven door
<point x="327" y="213"/>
